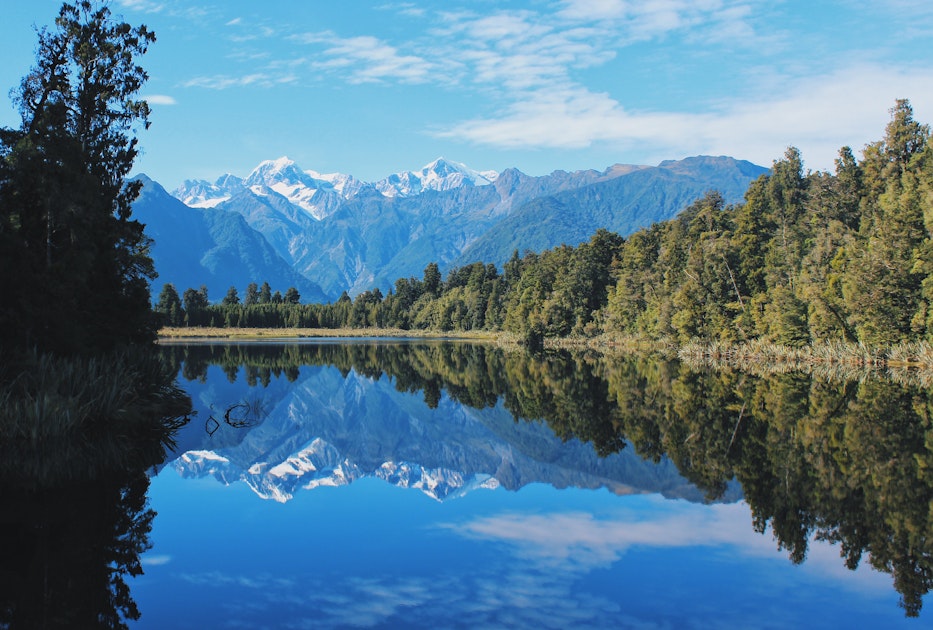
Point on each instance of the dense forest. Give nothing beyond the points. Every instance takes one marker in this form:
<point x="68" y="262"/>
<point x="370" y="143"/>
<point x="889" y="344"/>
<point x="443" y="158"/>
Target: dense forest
<point x="808" y="257"/>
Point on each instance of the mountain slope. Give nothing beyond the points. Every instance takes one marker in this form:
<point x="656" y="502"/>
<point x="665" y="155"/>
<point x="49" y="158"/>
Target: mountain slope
<point x="622" y="204"/>
<point x="212" y="247"/>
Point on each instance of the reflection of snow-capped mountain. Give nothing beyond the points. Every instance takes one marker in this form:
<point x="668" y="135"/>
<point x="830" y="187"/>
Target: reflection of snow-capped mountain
<point x="319" y="465"/>
<point x="327" y="430"/>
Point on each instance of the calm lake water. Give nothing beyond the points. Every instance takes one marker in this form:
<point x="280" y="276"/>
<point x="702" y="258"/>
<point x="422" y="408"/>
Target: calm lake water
<point x="448" y="485"/>
<point x="387" y="484"/>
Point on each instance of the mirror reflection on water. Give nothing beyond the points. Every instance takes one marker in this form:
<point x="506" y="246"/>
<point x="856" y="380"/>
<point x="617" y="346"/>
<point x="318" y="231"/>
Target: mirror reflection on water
<point x="386" y="484"/>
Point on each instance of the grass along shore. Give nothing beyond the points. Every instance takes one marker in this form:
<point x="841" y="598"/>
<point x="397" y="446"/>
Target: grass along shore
<point x="195" y="332"/>
<point x="909" y="355"/>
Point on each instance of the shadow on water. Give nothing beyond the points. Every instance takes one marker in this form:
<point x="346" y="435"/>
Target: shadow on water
<point x="77" y="438"/>
<point x="846" y="461"/>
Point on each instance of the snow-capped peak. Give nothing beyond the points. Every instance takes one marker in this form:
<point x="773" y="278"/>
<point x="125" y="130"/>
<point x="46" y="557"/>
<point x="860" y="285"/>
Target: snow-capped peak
<point x="315" y="195"/>
<point x="203" y="194"/>
<point x="441" y="174"/>
<point x="320" y="194"/>
<point x="346" y="185"/>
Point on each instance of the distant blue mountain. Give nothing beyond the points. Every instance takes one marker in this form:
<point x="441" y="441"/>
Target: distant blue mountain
<point x="622" y="204"/>
<point x="212" y="247"/>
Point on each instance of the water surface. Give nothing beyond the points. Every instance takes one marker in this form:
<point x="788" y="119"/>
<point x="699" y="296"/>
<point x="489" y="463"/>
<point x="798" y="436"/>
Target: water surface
<point x="436" y="485"/>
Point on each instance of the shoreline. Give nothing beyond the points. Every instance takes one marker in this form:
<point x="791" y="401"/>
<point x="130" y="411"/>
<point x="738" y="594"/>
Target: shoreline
<point x="205" y="333"/>
<point x="908" y="355"/>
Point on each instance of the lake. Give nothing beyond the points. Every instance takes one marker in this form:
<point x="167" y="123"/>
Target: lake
<point x="387" y="484"/>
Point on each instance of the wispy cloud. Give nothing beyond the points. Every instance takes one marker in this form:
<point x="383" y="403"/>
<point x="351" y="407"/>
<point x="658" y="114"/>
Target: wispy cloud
<point x="366" y="59"/>
<point x="581" y="541"/>
<point x="537" y="575"/>
<point x="578" y="542"/>
<point x="533" y="67"/>
<point x="404" y="8"/>
<point x="224" y="82"/>
<point x="144" y="6"/>
<point x="160" y="99"/>
<point x="155" y="560"/>
<point x="817" y="114"/>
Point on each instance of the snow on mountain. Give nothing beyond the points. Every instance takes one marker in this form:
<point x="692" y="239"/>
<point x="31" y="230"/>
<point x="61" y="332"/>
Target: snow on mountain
<point x="316" y="196"/>
<point x="320" y="194"/>
<point x="347" y="185"/>
<point x="439" y="175"/>
<point x="203" y="194"/>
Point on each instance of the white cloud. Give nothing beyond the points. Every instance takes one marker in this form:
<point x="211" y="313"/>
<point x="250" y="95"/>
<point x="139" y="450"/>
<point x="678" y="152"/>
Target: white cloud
<point x="145" y="6"/>
<point x="636" y="21"/>
<point x="160" y="99"/>
<point x="577" y="542"/>
<point x="580" y="541"/>
<point x="366" y="59"/>
<point x="405" y="8"/>
<point x="256" y="79"/>
<point x="817" y="114"/>
<point x="155" y="560"/>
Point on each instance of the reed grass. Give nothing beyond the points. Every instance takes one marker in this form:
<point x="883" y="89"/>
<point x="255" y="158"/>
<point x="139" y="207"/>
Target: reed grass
<point x="68" y="417"/>
<point x="194" y="332"/>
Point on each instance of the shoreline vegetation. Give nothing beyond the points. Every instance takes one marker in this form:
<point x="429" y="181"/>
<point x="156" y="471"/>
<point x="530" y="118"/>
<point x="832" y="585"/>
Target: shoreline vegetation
<point x="66" y="419"/>
<point x="914" y="355"/>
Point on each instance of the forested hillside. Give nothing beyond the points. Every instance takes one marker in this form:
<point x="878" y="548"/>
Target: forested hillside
<point x="806" y="257"/>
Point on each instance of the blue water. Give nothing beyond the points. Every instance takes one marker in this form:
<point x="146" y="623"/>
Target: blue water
<point x="299" y="522"/>
<point x="371" y="555"/>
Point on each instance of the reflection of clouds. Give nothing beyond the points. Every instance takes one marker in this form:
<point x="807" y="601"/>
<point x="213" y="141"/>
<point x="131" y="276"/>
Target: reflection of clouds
<point x="578" y="541"/>
<point x="155" y="560"/>
<point x="494" y="597"/>
<point x="542" y="580"/>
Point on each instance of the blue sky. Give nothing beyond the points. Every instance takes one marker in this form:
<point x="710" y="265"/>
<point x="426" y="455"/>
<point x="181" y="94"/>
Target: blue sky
<point x="374" y="87"/>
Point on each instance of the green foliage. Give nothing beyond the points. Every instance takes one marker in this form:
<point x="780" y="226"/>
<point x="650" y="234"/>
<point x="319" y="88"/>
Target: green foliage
<point x="169" y="306"/>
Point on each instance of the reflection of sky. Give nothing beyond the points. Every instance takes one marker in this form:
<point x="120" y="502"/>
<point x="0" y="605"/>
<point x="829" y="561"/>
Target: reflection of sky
<point x="371" y="555"/>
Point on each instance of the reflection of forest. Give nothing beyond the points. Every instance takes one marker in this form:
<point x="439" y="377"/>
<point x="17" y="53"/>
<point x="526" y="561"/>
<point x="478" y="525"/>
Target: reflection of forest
<point x="75" y="515"/>
<point x="65" y="553"/>
<point x="848" y="462"/>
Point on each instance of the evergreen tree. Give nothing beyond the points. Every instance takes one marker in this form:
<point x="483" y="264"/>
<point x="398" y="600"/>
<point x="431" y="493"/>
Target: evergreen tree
<point x="232" y="298"/>
<point x="195" y="303"/>
<point x="883" y="287"/>
<point x="169" y="306"/>
<point x="64" y="199"/>
<point x="432" y="279"/>
<point x="265" y="293"/>
<point x="252" y="294"/>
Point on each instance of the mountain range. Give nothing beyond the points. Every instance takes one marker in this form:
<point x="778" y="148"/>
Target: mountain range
<point x="329" y="233"/>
